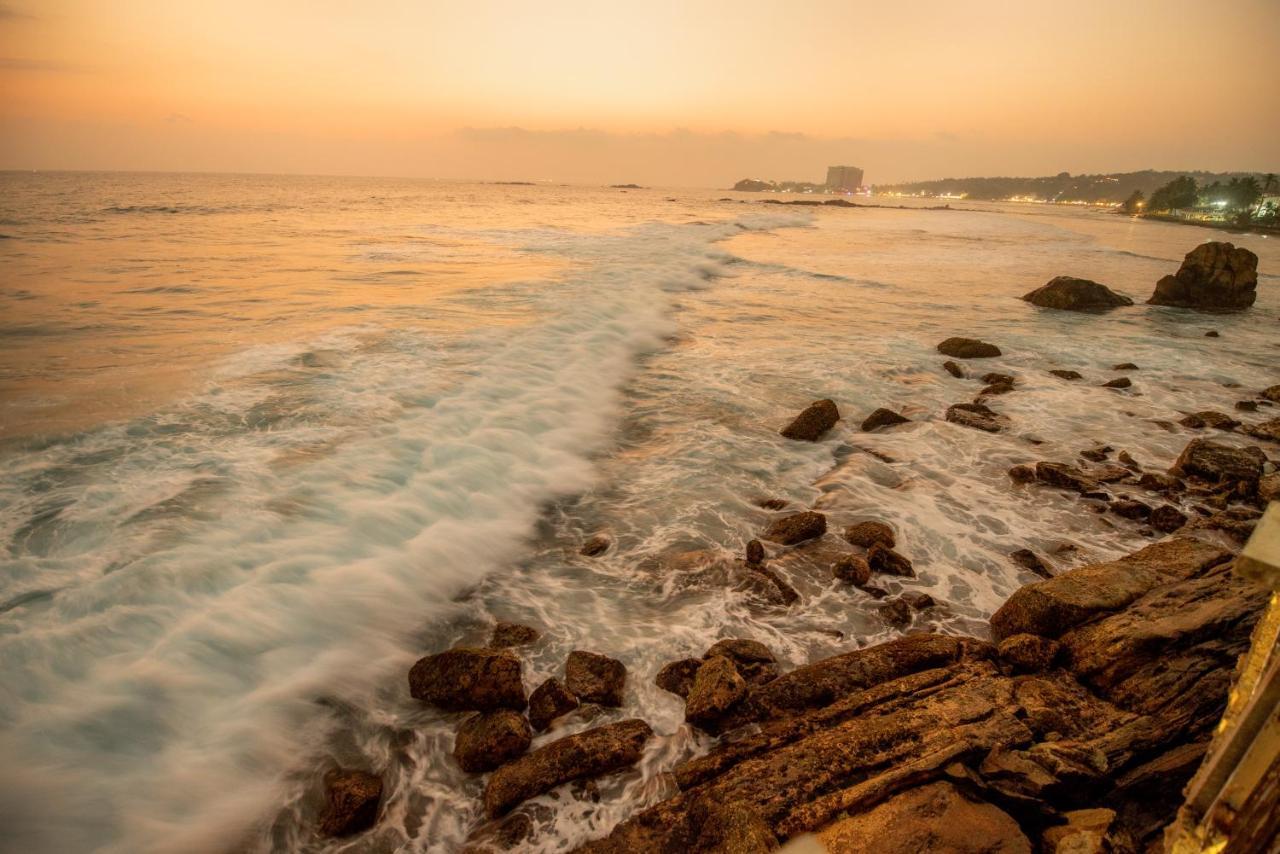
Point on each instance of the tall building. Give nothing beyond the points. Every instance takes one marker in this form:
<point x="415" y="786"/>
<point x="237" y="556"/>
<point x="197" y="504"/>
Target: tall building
<point x="844" y="179"/>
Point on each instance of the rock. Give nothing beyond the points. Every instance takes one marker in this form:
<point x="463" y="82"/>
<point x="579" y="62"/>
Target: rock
<point x="1084" y="833"/>
<point x="918" y="601"/>
<point x="1247" y="405"/>
<point x="1272" y="394"/>
<point x="867" y="534"/>
<point x="1029" y="560"/>
<point x="852" y="569"/>
<point x="882" y="418"/>
<point x="753" y="660"/>
<point x="735" y="829"/>
<point x="1065" y="477"/>
<point x="1028" y="653"/>
<point x="968" y="348"/>
<point x="796" y="528"/>
<point x="490" y="739"/>
<point x="772" y="503"/>
<point x="595" y="678"/>
<point x="1161" y="483"/>
<point x="888" y="562"/>
<point x="513" y="634"/>
<point x="1269" y="487"/>
<point x="1118" y="382"/>
<point x="1131" y="509"/>
<point x="994" y="378"/>
<point x="977" y="416"/>
<point x="1214" y="275"/>
<point x="1066" y="375"/>
<point x="1217" y="462"/>
<point x="1209" y="418"/>
<point x="1239" y="522"/>
<point x="765" y="586"/>
<point x="1166" y="518"/>
<point x="677" y="676"/>
<point x="1126" y="459"/>
<point x="1212" y="333"/>
<point x="549" y="701"/>
<point x="351" y="802"/>
<point x="895" y="611"/>
<point x="1071" y="294"/>
<point x="1124" y="366"/>
<point x="582" y="756"/>
<point x="995" y="388"/>
<point x="1098" y="454"/>
<point x="1049" y="608"/>
<point x="954" y="369"/>
<point x="1269" y="430"/>
<point x="935" y="817"/>
<point x="469" y="679"/>
<point x="717" y="688"/>
<point x="809" y="425"/>
<point x="755" y="553"/>
<point x="1022" y="473"/>
<point x="597" y="545"/>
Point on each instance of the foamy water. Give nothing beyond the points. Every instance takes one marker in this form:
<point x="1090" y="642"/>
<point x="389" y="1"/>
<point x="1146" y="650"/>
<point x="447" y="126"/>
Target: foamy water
<point x="271" y="440"/>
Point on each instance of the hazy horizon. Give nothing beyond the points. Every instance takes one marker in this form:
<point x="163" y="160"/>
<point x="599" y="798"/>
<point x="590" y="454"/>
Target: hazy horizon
<point x="671" y="96"/>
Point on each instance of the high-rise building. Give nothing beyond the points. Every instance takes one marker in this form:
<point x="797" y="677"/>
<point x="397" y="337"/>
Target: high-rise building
<point x="844" y="179"/>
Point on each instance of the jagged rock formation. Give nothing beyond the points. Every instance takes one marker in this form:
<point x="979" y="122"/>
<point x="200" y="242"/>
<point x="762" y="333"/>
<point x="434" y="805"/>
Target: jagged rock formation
<point x="1214" y="275"/>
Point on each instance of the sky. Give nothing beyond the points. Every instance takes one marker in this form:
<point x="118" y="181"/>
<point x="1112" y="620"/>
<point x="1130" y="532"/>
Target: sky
<point x="696" y="93"/>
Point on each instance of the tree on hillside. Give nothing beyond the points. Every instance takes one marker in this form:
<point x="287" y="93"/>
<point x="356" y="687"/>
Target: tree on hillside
<point x="1133" y="204"/>
<point x="1177" y="194"/>
<point x="1243" y="193"/>
<point x="1269" y="183"/>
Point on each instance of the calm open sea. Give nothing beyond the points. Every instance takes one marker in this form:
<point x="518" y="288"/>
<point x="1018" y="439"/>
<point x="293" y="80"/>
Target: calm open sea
<point x="264" y="441"/>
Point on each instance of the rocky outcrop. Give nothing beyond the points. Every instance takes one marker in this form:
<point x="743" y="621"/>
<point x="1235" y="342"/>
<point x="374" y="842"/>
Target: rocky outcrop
<point x="595" y="678"/>
<point x="351" y="800"/>
<point x="968" y="348"/>
<point x="469" y="679"/>
<point x="816" y="419"/>
<point x="490" y="739"/>
<point x="587" y="754"/>
<point x="796" y="528"/>
<point x="1214" y="275"/>
<point x="1071" y="294"/>
<point x="882" y="418"/>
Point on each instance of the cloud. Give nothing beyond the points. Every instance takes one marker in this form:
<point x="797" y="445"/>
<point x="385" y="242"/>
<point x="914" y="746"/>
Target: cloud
<point x="8" y="13"/>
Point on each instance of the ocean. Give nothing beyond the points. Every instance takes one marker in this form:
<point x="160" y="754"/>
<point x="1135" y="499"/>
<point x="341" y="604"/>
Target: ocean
<point x="265" y="441"/>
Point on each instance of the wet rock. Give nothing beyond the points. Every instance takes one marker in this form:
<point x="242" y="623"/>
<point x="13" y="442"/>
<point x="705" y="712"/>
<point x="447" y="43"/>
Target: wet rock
<point x="1029" y="560"/>
<point x="597" y="545"/>
<point x="765" y="587"/>
<point x="918" y="601"/>
<point x="1098" y="454"/>
<point x="755" y="553"/>
<point x="852" y="569"/>
<point x="977" y="416"/>
<point x="994" y="378"/>
<point x="351" y="802"/>
<point x="1126" y="459"/>
<point x="1214" y="275"/>
<point x="1217" y="462"/>
<point x="753" y="660"/>
<point x="1131" y="509"/>
<point x="1068" y="293"/>
<point x="895" y="611"/>
<point x="888" y="562"/>
<point x="1022" y="473"/>
<point x="1118" y="382"/>
<point x="1124" y="366"/>
<point x="1212" y="333"/>
<point x="1272" y="394"/>
<point x="995" y="389"/>
<point x="1065" y="477"/>
<point x="513" y="634"/>
<point x="1166" y="518"/>
<point x="809" y="426"/>
<point x="585" y="755"/>
<point x="1049" y="608"/>
<point x="882" y="418"/>
<point x="734" y="829"/>
<point x="677" y="676"/>
<point x="1163" y="483"/>
<point x="1269" y="487"/>
<point x="1085" y="832"/>
<point x="549" y="701"/>
<point x="595" y="678"/>
<point x="1238" y="522"/>
<point x="469" y="679"/>
<point x="490" y="739"/>
<point x="1028" y="653"/>
<point x="954" y="369"/>
<point x="1209" y="418"/>
<point x="867" y="534"/>
<point x="1268" y="430"/>
<point x="968" y="348"/>
<point x="1247" y="405"/>
<point x="772" y="503"/>
<point x="1063" y="374"/>
<point x="717" y="688"/>
<point x="796" y="528"/>
<point x="936" y="817"/>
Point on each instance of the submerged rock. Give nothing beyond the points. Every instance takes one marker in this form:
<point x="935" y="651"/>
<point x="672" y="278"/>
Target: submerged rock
<point x="513" y="634"/>
<point x="1209" y="418"/>
<point x="490" y="739"/>
<point x="1065" y="477"/>
<point x="1068" y="293"/>
<point x="351" y="802"/>
<point x="1214" y="275"/>
<point x="469" y="679"/>
<point x="595" y="678"/>
<point x="1130" y="508"/>
<point x="1031" y="561"/>
<point x="888" y="562"/>
<point x="1124" y="366"/>
<point x="954" y="369"/>
<point x="1118" y="382"/>
<point x="796" y="528"/>
<point x="809" y="426"/>
<point x="968" y="348"/>
<point x="882" y="418"/>
<point x="597" y="545"/>
<point x="867" y="534"/>
<point x="754" y="660"/>
<point x="1064" y="374"/>
<point x="977" y="416"/>
<point x="755" y="553"/>
<point x="549" y="701"/>
<point x="588" y="754"/>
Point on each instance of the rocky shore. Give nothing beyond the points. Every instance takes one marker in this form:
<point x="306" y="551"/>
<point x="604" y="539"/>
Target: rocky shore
<point x="1071" y="725"/>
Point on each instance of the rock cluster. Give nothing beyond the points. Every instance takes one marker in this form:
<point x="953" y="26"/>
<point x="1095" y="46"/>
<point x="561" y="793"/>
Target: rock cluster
<point x="1214" y="275"/>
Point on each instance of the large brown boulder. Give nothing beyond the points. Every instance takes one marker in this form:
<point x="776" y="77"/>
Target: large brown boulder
<point x="351" y="802"/>
<point x="677" y="676"/>
<point x="754" y="660"/>
<point x="1214" y="275"/>
<point x="575" y="757"/>
<point x="549" y="701"/>
<point x="968" y="348"/>
<point x="816" y="419"/>
<point x="796" y="528"/>
<point x="716" y="689"/>
<point x="595" y="678"/>
<point x="1071" y="294"/>
<point x="469" y="679"/>
<point x="1218" y="462"/>
<point x="1269" y="430"/>
<point x="490" y="739"/>
<point x="867" y="534"/>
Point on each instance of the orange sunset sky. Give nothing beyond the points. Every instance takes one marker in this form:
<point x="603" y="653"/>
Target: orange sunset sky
<point x="695" y="93"/>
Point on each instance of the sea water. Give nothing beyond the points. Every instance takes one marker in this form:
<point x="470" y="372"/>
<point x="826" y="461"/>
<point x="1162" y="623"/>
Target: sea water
<point x="265" y="441"/>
